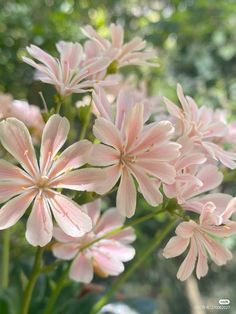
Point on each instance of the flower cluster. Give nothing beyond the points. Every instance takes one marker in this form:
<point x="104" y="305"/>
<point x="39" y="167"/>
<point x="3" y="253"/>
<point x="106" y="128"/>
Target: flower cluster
<point x="138" y="145"/>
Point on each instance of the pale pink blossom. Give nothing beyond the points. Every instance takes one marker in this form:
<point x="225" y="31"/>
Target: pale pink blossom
<point x="22" y="110"/>
<point x="200" y="238"/>
<point x="106" y="256"/>
<point x="69" y="73"/>
<point x="199" y="127"/>
<point x="37" y="183"/>
<point x="133" y="151"/>
<point x="123" y="54"/>
<point x="194" y="176"/>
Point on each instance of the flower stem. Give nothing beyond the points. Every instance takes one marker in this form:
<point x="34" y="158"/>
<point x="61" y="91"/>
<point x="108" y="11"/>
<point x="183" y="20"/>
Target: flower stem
<point x="86" y="123"/>
<point x="140" y="259"/>
<point x="55" y="293"/>
<point x="32" y="281"/>
<point x="129" y="224"/>
<point x="5" y="258"/>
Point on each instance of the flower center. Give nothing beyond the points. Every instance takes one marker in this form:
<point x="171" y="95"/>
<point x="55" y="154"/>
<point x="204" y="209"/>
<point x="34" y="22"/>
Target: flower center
<point x="126" y="159"/>
<point x="42" y="182"/>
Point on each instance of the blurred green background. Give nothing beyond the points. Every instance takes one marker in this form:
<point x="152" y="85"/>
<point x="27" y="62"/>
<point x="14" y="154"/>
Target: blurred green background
<point x="196" y="46"/>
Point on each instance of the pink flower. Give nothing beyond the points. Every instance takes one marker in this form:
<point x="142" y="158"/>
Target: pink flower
<point x="133" y="151"/>
<point x="130" y="53"/>
<point x="198" y="237"/>
<point x="104" y="257"/>
<point x="193" y="177"/>
<point x="69" y="73"/>
<point x="29" y="114"/>
<point x="37" y="183"/>
<point x="200" y="127"/>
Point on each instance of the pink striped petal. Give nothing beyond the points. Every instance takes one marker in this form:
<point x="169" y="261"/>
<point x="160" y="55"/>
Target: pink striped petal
<point x="107" y="264"/>
<point x="69" y="215"/>
<point x="111" y="219"/>
<point x="65" y="251"/>
<point x="61" y="236"/>
<point x="39" y="225"/>
<point x="202" y="267"/>
<point x="9" y="172"/>
<point x="54" y="136"/>
<point x="81" y="269"/>
<point x="13" y="210"/>
<point x="173" y="109"/>
<point x="161" y="170"/>
<point x="153" y="134"/>
<point x="113" y="174"/>
<point x="134" y="124"/>
<point x="147" y="186"/>
<point x="9" y="189"/>
<point x="230" y="209"/>
<point x="219" y="254"/>
<point x="165" y="152"/>
<point x="73" y="157"/>
<point x="107" y="133"/>
<point x="119" y="251"/>
<point x="187" y="266"/>
<point x="16" y="139"/>
<point x="103" y="155"/>
<point x="93" y="209"/>
<point x="186" y="229"/>
<point x="126" y="195"/>
<point x="117" y="35"/>
<point x="125" y="236"/>
<point x="210" y="176"/>
<point x="175" y="247"/>
<point x="87" y="179"/>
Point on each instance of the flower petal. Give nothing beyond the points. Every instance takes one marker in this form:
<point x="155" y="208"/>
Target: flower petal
<point x="107" y="133"/>
<point x="111" y="219"/>
<point x="126" y="195"/>
<point x="65" y="251"/>
<point x="9" y="172"/>
<point x="9" y="189"/>
<point x="119" y="251"/>
<point x="175" y="247"/>
<point x="148" y="187"/>
<point x="16" y="139"/>
<point x="93" y="209"/>
<point x="39" y="225"/>
<point x="81" y="269"/>
<point x="133" y="124"/>
<point x="161" y="170"/>
<point x="13" y="210"/>
<point x="186" y="229"/>
<point x="187" y="266"/>
<point x="106" y="264"/>
<point x="69" y="215"/>
<point x="103" y="155"/>
<point x="73" y="157"/>
<point x="87" y="179"/>
<point x="54" y="136"/>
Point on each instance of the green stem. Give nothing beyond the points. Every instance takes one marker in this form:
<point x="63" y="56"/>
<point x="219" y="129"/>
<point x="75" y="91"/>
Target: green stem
<point x="129" y="224"/>
<point x="53" y="297"/>
<point x="5" y="258"/>
<point x="32" y="281"/>
<point x="140" y="259"/>
<point x="86" y="123"/>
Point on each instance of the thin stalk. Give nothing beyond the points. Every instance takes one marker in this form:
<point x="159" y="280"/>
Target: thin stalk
<point x="140" y="259"/>
<point x="32" y="281"/>
<point x="5" y="258"/>
<point x="54" y="295"/>
<point x="129" y="224"/>
<point x="86" y="123"/>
